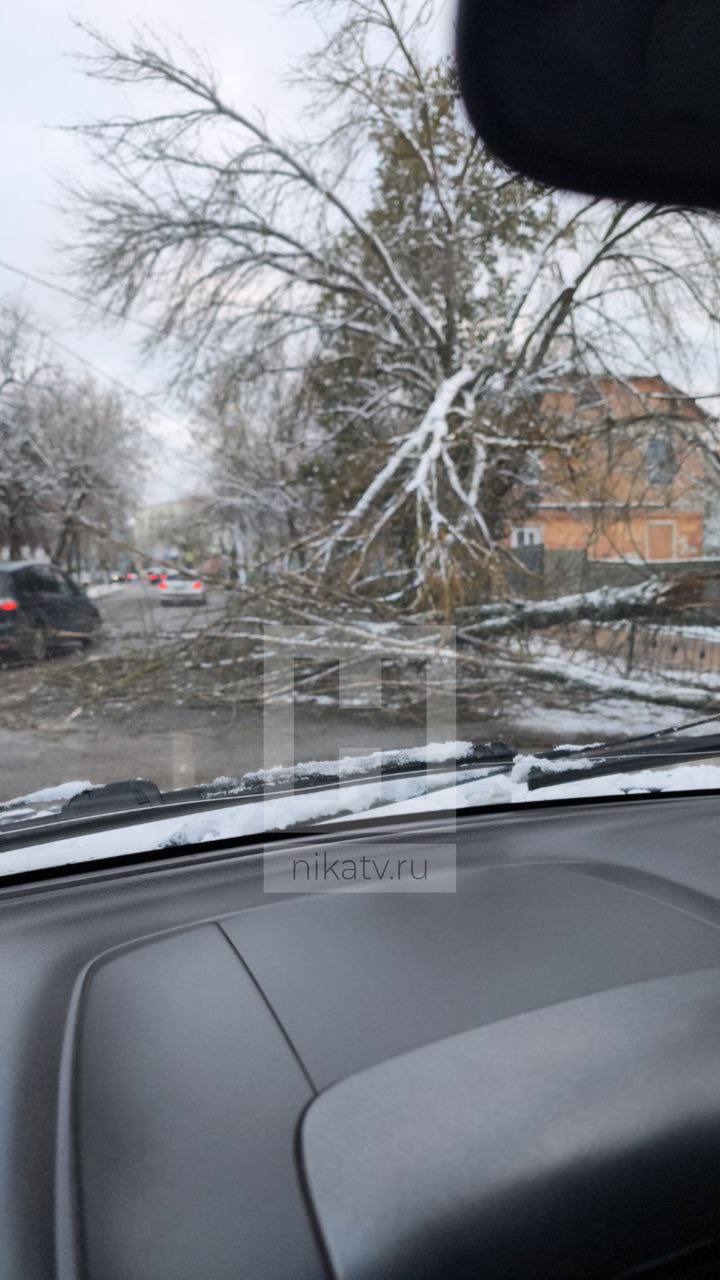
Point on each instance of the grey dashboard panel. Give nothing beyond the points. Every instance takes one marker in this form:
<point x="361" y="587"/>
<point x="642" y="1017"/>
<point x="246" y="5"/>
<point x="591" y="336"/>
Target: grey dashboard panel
<point x="552" y="906"/>
<point x="592" y="1126"/>
<point x="183" y="1097"/>
<point x="356" y="979"/>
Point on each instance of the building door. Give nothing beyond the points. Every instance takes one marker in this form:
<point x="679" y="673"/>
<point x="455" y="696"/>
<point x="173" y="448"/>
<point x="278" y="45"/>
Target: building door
<point x="660" y="540"/>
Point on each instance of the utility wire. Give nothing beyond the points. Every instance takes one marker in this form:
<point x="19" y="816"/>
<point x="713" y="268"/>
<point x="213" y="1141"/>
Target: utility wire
<point x="103" y="373"/>
<point x="143" y="397"/>
<point x="77" y="297"/>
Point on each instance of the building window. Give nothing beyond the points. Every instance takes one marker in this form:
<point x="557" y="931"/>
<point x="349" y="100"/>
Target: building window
<point x="659" y="461"/>
<point x="528" y="536"/>
<point x="660" y="535"/>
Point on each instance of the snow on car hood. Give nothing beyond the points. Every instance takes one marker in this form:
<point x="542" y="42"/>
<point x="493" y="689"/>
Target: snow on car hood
<point x="391" y="798"/>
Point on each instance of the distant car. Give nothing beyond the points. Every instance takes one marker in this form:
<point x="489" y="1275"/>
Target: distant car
<point x="178" y="588"/>
<point x="41" y="609"/>
<point x="155" y="573"/>
<point x="131" y="576"/>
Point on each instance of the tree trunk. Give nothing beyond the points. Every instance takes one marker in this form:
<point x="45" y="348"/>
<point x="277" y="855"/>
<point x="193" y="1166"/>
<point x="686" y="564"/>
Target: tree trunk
<point x="604" y="604"/>
<point x="14" y="536"/>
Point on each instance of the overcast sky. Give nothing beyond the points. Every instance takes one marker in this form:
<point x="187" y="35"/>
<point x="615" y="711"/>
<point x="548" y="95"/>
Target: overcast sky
<point x="251" y="43"/>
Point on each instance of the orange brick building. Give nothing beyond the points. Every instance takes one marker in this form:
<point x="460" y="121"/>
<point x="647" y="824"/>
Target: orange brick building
<point x="630" y="480"/>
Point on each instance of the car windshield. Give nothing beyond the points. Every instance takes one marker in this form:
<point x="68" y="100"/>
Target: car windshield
<point x="323" y="434"/>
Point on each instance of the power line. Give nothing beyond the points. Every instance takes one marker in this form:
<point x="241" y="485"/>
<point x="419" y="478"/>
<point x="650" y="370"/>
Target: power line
<point x="48" y="284"/>
<point x="78" y="297"/>
<point x="103" y="373"/>
<point x="115" y="315"/>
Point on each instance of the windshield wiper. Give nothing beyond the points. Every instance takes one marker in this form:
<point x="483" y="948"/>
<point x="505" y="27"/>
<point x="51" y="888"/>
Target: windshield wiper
<point x="120" y="803"/>
<point x="645" y="750"/>
<point x="123" y="803"/>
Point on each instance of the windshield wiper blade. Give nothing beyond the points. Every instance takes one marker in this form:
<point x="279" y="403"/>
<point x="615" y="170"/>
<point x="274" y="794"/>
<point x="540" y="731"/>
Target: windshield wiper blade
<point x="120" y="803"/>
<point x="133" y="793"/>
<point x="655" y="735"/>
<point x="665" y="747"/>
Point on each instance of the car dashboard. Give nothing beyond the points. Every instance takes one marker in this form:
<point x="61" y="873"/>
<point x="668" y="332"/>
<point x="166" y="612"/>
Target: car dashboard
<point x="517" y="1079"/>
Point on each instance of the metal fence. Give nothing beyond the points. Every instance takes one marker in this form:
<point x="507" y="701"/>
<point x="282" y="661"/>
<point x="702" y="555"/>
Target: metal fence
<point x="641" y="648"/>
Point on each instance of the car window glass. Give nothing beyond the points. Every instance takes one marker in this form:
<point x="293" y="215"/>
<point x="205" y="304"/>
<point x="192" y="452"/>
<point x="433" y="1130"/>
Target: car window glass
<point x="51" y="582"/>
<point x="61" y="583"/>
<point x="28" y="581"/>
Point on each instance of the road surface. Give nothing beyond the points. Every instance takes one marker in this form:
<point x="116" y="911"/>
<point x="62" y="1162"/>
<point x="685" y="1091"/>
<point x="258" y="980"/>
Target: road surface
<point x="174" y="745"/>
<point x="178" y="740"/>
<point x="134" y="615"/>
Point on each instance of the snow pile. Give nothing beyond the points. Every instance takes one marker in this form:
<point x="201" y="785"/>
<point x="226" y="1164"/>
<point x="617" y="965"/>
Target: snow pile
<point x="100" y="589"/>
<point x="586" y="672"/>
<point x="49" y="795"/>
<point x="282" y="812"/>
<point x="225" y="822"/>
<point x="346" y="766"/>
<point x="504" y="789"/>
<point x="600" y="717"/>
<point x="523" y="766"/>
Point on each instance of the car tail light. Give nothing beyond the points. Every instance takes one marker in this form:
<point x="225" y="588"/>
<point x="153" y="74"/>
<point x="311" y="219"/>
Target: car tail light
<point x="162" y="584"/>
<point x="197" y="586"/>
<point x="7" y="605"/>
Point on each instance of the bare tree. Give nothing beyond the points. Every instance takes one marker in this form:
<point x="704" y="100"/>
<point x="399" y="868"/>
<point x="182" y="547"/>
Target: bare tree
<point x="70" y="451"/>
<point x="257" y="452"/>
<point x="93" y="445"/>
<point x="25" y="370"/>
<point x="426" y="297"/>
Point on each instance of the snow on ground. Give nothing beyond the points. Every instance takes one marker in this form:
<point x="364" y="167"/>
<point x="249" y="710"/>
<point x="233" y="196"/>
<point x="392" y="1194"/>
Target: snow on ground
<point x="597" y="718"/>
<point x="100" y="589"/>
<point x="711" y="634"/>
<point x="587" y="672"/>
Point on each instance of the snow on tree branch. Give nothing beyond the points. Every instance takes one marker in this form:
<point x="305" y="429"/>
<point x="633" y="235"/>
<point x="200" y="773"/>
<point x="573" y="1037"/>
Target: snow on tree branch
<point x="358" y="272"/>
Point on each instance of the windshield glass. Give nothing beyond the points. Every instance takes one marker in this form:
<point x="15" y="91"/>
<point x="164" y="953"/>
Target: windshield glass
<point x="324" y="435"/>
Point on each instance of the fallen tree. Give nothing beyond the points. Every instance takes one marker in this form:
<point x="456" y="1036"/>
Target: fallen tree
<point x="291" y="641"/>
<point x="646" y="601"/>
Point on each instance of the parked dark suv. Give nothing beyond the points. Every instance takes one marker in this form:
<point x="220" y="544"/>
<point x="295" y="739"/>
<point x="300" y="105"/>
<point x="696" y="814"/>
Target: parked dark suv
<point x="41" y="608"/>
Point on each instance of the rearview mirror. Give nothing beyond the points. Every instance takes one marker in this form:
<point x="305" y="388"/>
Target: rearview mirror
<point x="613" y="97"/>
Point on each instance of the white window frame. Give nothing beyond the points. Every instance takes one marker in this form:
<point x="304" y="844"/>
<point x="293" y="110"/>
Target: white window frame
<point x="535" y="538"/>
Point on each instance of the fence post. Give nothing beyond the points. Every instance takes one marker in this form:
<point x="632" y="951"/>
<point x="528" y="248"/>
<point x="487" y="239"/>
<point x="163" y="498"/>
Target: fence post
<point x="631" y="649"/>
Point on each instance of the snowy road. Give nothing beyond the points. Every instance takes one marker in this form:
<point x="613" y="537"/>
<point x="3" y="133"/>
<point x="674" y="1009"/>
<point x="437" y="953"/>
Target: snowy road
<point x="134" y="615"/>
